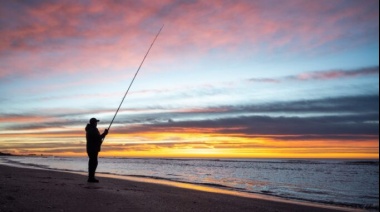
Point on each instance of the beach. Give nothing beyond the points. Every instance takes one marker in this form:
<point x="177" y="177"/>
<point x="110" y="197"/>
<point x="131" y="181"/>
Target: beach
<point x="25" y="189"/>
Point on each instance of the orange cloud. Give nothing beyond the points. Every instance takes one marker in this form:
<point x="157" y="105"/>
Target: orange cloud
<point x="25" y="119"/>
<point x="189" y="143"/>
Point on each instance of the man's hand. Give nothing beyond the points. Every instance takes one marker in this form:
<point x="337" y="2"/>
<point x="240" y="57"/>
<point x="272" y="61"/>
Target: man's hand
<point x="105" y="131"/>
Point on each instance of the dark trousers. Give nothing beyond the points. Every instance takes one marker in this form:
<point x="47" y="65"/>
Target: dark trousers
<point x="92" y="164"/>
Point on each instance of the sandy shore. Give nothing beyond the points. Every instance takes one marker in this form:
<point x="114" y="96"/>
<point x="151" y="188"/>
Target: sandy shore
<point x="23" y="189"/>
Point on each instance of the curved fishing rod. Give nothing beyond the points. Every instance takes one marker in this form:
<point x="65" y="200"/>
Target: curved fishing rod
<point x="134" y="77"/>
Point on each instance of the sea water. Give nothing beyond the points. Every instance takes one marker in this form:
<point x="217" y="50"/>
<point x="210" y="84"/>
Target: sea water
<point x="353" y="183"/>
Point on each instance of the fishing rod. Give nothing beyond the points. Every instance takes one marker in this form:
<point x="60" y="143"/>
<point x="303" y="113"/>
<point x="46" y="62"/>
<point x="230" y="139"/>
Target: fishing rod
<point x="134" y="77"/>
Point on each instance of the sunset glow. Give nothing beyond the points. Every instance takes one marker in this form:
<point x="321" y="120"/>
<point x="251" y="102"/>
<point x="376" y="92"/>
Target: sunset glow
<point x="225" y="79"/>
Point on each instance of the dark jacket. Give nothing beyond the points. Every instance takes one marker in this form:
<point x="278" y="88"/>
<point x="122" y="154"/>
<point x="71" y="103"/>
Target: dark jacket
<point x="94" y="139"/>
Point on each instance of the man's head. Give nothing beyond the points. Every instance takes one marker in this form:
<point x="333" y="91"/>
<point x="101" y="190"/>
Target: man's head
<point x="94" y="121"/>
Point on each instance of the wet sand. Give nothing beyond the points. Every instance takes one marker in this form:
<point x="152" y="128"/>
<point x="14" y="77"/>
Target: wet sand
<point x="24" y="189"/>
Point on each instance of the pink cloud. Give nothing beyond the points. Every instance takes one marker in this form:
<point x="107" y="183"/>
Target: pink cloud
<point x="322" y="75"/>
<point x="64" y="38"/>
<point x="74" y="37"/>
<point x="336" y="74"/>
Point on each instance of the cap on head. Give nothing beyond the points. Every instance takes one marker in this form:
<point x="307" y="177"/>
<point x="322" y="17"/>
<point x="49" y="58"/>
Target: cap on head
<point x="94" y="120"/>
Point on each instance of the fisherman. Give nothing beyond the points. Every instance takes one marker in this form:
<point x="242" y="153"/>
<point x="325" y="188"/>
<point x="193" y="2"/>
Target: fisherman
<point x="94" y="142"/>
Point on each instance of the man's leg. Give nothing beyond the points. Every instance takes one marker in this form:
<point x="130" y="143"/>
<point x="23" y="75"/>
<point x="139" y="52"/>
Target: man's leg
<point x="92" y="164"/>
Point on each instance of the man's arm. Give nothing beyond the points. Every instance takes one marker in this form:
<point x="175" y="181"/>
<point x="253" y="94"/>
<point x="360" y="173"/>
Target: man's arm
<point x="104" y="134"/>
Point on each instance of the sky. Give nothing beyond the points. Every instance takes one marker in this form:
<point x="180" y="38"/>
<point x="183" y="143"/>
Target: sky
<point x="224" y="79"/>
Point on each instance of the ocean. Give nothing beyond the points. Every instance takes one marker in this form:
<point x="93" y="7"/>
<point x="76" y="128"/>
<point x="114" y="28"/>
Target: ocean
<point x="352" y="183"/>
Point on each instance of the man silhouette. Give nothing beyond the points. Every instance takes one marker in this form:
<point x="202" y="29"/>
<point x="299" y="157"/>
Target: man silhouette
<point x="94" y="141"/>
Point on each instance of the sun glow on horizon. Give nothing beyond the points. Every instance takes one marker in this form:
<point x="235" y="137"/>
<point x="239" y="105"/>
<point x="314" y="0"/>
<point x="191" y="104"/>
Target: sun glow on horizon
<point x="193" y="145"/>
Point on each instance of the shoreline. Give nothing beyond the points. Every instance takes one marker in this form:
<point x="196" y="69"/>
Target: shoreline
<point x="213" y="188"/>
<point x="162" y="195"/>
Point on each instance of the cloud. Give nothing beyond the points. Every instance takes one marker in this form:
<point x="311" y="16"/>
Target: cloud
<point x="77" y="36"/>
<point x="340" y="115"/>
<point x="354" y="117"/>
<point x="336" y="74"/>
<point x="74" y="35"/>
<point x="322" y="75"/>
<point x="354" y="126"/>
<point x="183" y="93"/>
<point x="23" y="118"/>
<point x="345" y="104"/>
<point x="321" y="107"/>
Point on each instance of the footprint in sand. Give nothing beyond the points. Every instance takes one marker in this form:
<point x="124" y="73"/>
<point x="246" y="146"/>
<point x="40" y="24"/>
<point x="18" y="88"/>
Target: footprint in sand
<point x="10" y="198"/>
<point x="92" y="187"/>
